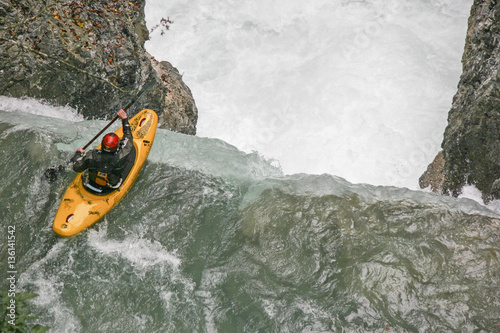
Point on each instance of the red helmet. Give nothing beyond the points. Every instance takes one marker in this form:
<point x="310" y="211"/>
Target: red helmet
<point x="110" y="143"/>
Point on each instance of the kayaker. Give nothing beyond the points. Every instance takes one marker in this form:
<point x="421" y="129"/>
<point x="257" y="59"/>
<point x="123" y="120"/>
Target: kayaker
<point x="106" y="167"/>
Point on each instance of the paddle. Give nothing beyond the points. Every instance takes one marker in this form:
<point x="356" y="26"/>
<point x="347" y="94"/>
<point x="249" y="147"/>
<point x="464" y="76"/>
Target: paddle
<point x="51" y="173"/>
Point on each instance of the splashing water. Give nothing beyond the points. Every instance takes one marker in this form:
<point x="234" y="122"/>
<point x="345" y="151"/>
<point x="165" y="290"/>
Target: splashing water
<point x="358" y="89"/>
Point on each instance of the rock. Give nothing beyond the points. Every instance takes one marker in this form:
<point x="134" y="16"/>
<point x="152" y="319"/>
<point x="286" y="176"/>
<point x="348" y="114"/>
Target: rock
<point x="471" y="144"/>
<point x="89" y="56"/>
<point x="179" y="102"/>
<point x="433" y="176"/>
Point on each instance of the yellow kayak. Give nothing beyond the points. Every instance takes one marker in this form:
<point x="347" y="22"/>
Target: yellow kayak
<point x="81" y="208"/>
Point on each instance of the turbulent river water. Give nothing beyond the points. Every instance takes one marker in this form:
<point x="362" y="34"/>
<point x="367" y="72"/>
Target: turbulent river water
<point x="211" y="239"/>
<point x="355" y="88"/>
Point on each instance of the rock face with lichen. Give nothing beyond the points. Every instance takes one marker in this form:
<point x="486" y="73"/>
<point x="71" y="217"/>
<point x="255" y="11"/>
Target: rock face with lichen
<point x="471" y="144"/>
<point x="179" y="103"/>
<point x="89" y="55"/>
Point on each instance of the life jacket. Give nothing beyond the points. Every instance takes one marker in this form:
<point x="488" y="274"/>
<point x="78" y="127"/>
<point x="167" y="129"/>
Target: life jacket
<point x="106" y="169"/>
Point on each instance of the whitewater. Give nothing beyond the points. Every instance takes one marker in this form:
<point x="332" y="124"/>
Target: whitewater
<point x="295" y="207"/>
<point x="212" y="239"/>
<point x="357" y="89"/>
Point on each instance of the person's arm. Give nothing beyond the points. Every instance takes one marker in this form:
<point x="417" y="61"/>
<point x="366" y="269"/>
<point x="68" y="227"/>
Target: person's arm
<point x="127" y="132"/>
<point x="127" y="142"/>
<point x="81" y="160"/>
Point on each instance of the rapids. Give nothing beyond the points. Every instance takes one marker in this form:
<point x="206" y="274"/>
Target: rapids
<point x="360" y="89"/>
<point x="297" y="214"/>
<point x="212" y="239"/>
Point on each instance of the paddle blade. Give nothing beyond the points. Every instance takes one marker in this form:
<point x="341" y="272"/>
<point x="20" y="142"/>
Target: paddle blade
<point x="52" y="173"/>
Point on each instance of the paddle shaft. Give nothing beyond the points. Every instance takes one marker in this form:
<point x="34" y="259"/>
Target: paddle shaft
<point x="97" y="135"/>
<point x="143" y="91"/>
<point x="52" y="172"/>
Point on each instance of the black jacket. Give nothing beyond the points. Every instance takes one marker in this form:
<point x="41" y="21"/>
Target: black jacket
<point x="106" y="167"/>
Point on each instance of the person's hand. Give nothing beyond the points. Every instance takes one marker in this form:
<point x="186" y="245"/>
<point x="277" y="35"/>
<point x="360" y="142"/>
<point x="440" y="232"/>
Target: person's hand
<point x="76" y="157"/>
<point x="122" y="114"/>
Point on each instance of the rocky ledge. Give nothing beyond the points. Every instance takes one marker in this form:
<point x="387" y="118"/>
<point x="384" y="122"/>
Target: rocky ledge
<point x="89" y="55"/>
<point x="471" y="146"/>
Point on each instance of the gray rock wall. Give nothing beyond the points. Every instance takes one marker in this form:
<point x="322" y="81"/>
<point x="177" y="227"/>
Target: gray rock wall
<point x="471" y="144"/>
<point x="89" y="55"/>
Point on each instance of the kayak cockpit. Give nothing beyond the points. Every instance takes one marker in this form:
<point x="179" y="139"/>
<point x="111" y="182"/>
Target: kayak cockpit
<point x="97" y="189"/>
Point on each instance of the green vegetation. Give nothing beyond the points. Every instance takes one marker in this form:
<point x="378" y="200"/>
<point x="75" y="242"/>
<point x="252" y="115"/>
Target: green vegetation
<point x="15" y="316"/>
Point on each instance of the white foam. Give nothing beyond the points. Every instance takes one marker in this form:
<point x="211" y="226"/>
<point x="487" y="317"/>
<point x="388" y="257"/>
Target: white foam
<point x="471" y="192"/>
<point x="37" y="107"/>
<point x="140" y="252"/>
<point x="358" y="89"/>
<point x="49" y="289"/>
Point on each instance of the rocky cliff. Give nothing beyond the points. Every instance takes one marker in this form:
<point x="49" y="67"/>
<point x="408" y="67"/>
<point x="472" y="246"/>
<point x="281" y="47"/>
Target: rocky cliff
<point x="89" y="55"/>
<point x="471" y="145"/>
